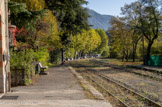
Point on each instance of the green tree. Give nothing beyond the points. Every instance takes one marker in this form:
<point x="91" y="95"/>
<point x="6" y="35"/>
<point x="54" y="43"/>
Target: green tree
<point x="149" y="17"/>
<point x="104" y="41"/>
<point x="40" y="27"/>
<point x="131" y="18"/>
<point x="94" y="40"/>
<point x="29" y="21"/>
<point x="49" y="35"/>
<point x="83" y="43"/>
<point x="72" y="17"/>
<point x="33" y="5"/>
<point x="120" y="38"/>
<point x="22" y="17"/>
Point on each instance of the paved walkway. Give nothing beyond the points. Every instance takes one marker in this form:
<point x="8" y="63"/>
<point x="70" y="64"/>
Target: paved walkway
<point x="58" y="89"/>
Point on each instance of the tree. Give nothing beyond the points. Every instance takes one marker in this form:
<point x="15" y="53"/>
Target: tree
<point x="120" y="38"/>
<point x="21" y="16"/>
<point x="40" y="28"/>
<point x="49" y="35"/>
<point x="72" y="17"/>
<point x="83" y="43"/>
<point x="33" y="5"/>
<point x="144" y="18"/>
<point x="104" y="41"/>
<point x="77" y="44"/>
<point x="149" y="17"/>
<point x="131" y="19"/>
<point x="94" y="40"/>
<point x="28" y="20"/>
<point x="157" y="48"/>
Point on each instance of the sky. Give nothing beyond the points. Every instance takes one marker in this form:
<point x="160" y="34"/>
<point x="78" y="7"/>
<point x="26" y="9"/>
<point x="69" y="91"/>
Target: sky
<point x="108" y="7"/>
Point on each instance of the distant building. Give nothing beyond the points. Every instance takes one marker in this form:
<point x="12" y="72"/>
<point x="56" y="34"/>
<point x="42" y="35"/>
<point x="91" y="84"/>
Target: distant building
<point x="4" y="48"/>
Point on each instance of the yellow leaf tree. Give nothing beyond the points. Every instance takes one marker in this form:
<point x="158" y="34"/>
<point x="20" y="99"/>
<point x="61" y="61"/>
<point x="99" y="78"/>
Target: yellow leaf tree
<point x="33" y="5"/>
<point x="50" y="35"/>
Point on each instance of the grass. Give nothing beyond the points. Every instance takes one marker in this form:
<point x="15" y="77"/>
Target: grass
<point x="87" y="92"/>
<point x="142" y="84"/>
<point x="34" y="80"/>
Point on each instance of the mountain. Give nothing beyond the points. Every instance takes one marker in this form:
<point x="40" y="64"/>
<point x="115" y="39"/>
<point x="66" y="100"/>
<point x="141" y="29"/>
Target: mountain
<point x="98" y="20"/>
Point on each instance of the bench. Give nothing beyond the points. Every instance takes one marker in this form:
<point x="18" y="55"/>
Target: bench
<point x="42" y="69"/>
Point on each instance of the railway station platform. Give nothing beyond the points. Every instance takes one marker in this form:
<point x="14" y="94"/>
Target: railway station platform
<point x="60" y="88"/>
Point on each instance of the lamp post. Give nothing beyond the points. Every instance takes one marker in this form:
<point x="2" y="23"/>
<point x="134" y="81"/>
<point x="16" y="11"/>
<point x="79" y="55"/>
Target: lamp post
<point x="62" y="52"/>
<point x="66" y="42"/>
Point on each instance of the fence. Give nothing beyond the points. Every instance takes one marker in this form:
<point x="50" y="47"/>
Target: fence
<point x="155" y="61"/>
<point x="17" y="77"/>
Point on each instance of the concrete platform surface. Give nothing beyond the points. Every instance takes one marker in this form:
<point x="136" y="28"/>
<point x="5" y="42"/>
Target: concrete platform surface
<point x="55" y="103"/>
<point x="58" y="89"/>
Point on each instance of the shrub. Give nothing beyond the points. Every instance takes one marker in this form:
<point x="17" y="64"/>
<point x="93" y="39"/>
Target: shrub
<point x="22" y="60"/>
<point x="42" y="56"/>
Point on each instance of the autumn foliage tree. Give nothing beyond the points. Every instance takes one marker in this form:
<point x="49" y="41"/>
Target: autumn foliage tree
<point x="33" y="5"/>
<point x="40" y="26"/>
<point x="84" y="43"/>
<point x="149" y="18"/>
<point x="49" y="36"/>
<point x="121" y="38"/>
<point x="72" y="17"/>
<point x="143" y="19"/>
<point x="104" y="44"/>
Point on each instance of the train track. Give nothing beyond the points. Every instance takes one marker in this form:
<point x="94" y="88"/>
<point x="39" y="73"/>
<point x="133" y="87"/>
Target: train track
<point x="121" y="103"/>
<point x="134" y="72"/>
<point x="146" y="100"/>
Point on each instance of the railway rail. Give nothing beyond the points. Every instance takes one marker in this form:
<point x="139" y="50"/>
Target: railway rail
<point x="151" y="102"/>
<point x="134" y="72"/>
<point x="144" y="99"/>
<point x="121" y="103"/>
<point x="147" y="101"/>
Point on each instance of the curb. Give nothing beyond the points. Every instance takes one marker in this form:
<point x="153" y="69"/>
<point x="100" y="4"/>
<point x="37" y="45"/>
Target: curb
<point x="91" y="89"/>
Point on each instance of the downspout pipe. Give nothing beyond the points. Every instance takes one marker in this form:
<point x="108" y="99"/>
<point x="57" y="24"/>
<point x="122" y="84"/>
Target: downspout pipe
<point x="7" y="54"/>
